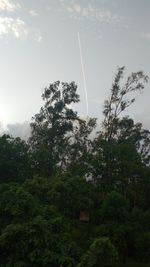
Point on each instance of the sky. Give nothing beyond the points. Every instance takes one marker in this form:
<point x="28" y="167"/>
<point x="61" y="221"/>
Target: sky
<point x="46" y="40"/>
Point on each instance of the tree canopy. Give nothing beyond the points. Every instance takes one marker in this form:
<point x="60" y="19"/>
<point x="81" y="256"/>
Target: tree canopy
<point x="66" y="169"/>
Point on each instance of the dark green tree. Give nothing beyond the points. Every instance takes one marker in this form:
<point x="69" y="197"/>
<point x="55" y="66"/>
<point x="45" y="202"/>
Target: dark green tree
<point x="15" y="162"/>
<point x="58" y="135"/>
<point x="122" y="96"/>
<point x="51" y="126"/>
<point x="115" y="208"/>
<point x="101" y="253"/>
<point x="71" y="194"/>
<point x="121" y="149"/>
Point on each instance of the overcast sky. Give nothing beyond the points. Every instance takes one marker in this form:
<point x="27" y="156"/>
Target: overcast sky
<point x="39" y="45"/>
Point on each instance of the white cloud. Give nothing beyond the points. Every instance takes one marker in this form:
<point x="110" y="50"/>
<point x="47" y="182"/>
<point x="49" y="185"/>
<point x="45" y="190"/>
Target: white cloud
<point x="8" y="5"/>
<point x="146" y="35"/>
<point x="21" y="130"/>
<point x="15" y="26"/>
<point x="37" y="36"/>
<point x="91" y="12"/>
<point x="39" y="39"/>
<point x="77" y="8"/>
<point x="33" y="13"/>
<point x="69" y="9"/>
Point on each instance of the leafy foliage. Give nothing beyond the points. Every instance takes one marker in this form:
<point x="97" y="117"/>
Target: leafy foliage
<point x="121" y="98"/>
<point x="63" y="171"/>
<point x="101" y="252"/>
<point x="15" y="162"/>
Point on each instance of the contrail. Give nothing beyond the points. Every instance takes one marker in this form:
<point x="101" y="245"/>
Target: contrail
<point x="83" y="73"/>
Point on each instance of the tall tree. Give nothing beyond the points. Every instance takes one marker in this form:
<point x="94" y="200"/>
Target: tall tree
<point x="51" y="125"/>
<point x="121" y="145"/>
<point x="122" y="96"/>
<point x="55" y="130"/>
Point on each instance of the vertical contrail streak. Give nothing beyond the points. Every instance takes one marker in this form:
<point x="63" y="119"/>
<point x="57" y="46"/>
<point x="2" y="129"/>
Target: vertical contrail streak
<point x="83" y="73"/>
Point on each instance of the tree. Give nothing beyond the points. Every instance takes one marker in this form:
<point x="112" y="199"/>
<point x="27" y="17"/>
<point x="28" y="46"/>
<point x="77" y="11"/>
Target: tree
<point x="32" y="232"/>
<point x="121" y="97"/>
<point x="71" y="194"/>
<point x="142" y="246"/>
<point x="16" y="204"/>
<point x="101" y="253"/>
<point x="15" y="162"/>
<point x="57" y="132"/>
<point x="115" y="208"/>
<point x="51" y="125"/>
<point x="121" y="148"/>
<point x="106" y="179"/>
<point x="80" y="147"/>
